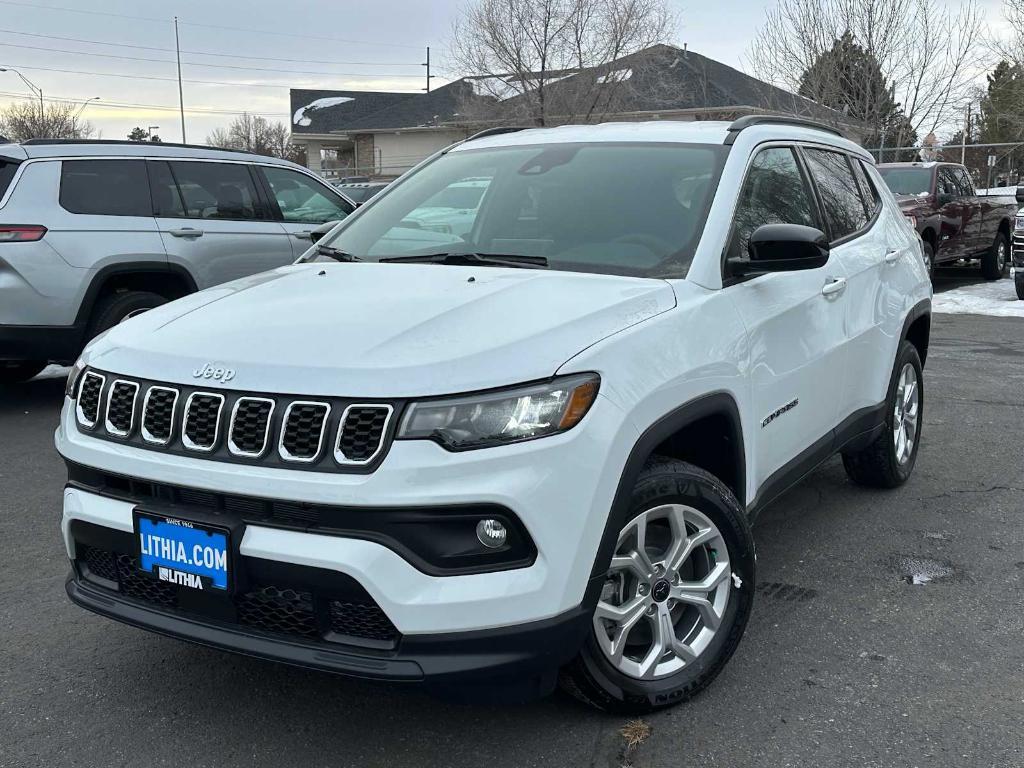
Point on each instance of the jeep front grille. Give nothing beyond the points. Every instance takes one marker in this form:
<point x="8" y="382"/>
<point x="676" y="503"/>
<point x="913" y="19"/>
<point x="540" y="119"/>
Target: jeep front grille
<point x="328" y="434"/>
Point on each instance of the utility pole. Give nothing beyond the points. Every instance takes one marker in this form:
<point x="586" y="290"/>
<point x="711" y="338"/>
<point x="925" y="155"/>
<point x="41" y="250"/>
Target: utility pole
<point x="181" y="96"/>
<point x="963" y="137"/>
<point x="427" y="65"/>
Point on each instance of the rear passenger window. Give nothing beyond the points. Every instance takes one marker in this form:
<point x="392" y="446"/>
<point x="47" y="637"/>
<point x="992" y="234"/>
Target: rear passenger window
<point x="840" y="196"/>
<point x="216" y="190"/>
<point x="872" y="200"/>
<point x="7" y="170"/>
<point x="774" y="192"/>
<point x="166" y="197"/>
<point x="105" y="187"/>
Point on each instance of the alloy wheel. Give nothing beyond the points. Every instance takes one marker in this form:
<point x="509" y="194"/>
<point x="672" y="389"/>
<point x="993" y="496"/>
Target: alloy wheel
<point x="1001" y="256"/>
<point x="666" y="592"/>
<point x="905" y="413"/>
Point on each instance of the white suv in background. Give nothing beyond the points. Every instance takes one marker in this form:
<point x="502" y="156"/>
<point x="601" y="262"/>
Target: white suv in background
<point x="477" y="461"/>
<point x="92" y="232"/>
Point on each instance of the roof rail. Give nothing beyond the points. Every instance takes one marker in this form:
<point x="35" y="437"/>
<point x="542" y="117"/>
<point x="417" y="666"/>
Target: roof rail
<point x="497" y="131"/>
<point x="128" y="142"/>
<point x="748" y="121"/>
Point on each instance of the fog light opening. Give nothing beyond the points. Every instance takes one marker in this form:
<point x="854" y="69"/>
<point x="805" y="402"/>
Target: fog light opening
<point x="491" y="533"/>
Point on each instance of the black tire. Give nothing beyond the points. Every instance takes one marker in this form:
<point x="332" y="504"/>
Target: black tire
<point x="120" y="306"/>
<point x="1018" y="283"/>
<point x="929" y="259"/>
<point x="996" y="261"/>
<point x="876" y="465"/>
<point x="592" y="678"/>
<point x="15" y="372"/>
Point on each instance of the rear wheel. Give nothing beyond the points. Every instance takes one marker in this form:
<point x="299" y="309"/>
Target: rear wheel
<point x="21" y="370"/>
<point x="890" y="459"/>
<point x="119" y="307"/>
<point x="996" y="260"/>
<point x="676" y="598"/>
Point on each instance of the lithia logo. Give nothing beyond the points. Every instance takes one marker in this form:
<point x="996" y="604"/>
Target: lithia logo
<point x="787" y="407"/>
<point x="213" y="371"/>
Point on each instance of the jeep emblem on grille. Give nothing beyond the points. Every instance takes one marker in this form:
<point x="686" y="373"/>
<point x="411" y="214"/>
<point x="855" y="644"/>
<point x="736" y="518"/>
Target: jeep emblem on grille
<point x="212" y="371"/>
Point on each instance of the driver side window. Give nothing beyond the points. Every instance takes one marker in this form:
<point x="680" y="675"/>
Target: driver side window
<point x="774" y="192"/>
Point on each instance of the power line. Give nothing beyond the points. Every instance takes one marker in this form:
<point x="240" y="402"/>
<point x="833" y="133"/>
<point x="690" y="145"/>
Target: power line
<point x="205" y="53"/>
<point x="174" y="79"/>
<point x="209" y="26"/>
<point x="162" y="107"/>
<point x="196" y="63"/>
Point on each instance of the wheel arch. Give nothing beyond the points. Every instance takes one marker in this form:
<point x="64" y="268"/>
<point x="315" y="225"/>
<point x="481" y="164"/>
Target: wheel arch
<point x="714" y="417"/>
<point x="169" y="280"/>
<point x="917" y="328"/>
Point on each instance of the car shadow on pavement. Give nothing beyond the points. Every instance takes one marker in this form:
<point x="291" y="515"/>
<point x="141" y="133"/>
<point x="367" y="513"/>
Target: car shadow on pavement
<point x="32" y="394"/>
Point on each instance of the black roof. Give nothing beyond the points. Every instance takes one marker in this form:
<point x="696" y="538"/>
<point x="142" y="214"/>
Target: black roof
<point x="662" y="78"/>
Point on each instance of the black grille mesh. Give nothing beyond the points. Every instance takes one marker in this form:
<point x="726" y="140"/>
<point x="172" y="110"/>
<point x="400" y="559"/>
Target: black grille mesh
<point x="272" y="609"/>
<point x="121" y="406"/>
<point x="100" y="562"/>
<point x="249" y="428"/>
<point x="362" y="432"/>
<point x="201" y="420"/>
<point x="89" y="397"/>
<point x="303" y="430"/>
<point x="158" y="418"/>
<point x="364" y="620"/>
<point x="135" y="584"/>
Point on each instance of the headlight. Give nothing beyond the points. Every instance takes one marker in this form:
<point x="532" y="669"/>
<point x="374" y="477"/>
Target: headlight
<point x="1018" y="223"/>
<point x="506" y="416"/>
<point x="73" y="376"/>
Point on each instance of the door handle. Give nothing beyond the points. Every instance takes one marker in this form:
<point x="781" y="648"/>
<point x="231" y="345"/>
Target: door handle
<point x="891" y="257"/>
<point x="186" y="232"/>
<point x="834" y="286"/>
<point x="302" y="235"/>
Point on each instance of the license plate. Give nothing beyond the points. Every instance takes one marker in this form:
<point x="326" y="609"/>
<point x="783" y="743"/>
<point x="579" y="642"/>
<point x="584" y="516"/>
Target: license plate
<point x="182" y="552"/>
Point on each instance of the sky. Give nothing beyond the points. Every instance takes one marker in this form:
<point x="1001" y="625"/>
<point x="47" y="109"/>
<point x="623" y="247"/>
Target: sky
<point x="244" y="56"/>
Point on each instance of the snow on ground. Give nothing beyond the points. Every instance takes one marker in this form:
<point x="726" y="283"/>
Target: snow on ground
<point x="997" y="298"/>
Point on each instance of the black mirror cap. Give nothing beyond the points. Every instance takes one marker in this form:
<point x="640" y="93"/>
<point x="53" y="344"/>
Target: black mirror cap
<point x="782" y="248"/>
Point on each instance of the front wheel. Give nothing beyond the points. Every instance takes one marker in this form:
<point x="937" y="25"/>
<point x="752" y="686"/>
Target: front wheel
<point x="928" y="254"/>
<point x="676" y="598"/>
<point x="890" y="459"/>
<point x="996" y="260"/>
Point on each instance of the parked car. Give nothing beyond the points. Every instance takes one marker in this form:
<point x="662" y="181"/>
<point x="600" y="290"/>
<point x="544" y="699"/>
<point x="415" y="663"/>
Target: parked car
<point x="478" y="461"/>
<point x="1017" y="267"/>
<point x="93" y="232"/>
<point x="954" y="221"/>
<point x="453" y="209"/>
<point x="360" y="192"/>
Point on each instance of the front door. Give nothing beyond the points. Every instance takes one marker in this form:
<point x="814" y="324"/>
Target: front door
<point x="304" y="203"/>
<point x="213" y="222"/>
<point x="795" y="322"/>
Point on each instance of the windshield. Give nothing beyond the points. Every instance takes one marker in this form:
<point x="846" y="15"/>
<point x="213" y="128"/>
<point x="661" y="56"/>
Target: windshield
<point x="907" y="181"/>
<point x="630" y="209"/>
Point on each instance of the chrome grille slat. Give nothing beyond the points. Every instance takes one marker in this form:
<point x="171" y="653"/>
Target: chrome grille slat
<point x="158" y="414"/>
<point x="249" y="430"/>
<point x="302" y="430"/>
<point x="120" y="413"/>
<point x="87" y="406"/>
<point x="200" y="424"/>
<point x="361" y="432"/>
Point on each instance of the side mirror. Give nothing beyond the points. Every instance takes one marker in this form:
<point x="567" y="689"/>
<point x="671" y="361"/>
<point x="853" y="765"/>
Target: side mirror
<point x="317" y="234"/>
<point x="1020" y="194"/>
<point x="781" y="248"/>
<point x="943" y="198"/>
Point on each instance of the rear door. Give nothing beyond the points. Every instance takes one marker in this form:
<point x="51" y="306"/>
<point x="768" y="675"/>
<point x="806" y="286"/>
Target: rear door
<point x="795" y="321"/>
<point x="214" y="222"/>
<point x="301" y="203"/>
<point x="983" y="222"/>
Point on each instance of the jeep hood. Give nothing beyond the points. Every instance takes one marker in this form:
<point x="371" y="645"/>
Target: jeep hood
<point x="380" y="330"/>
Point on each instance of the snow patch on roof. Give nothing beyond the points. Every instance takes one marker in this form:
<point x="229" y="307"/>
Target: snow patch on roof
<point x="301" y="118"/>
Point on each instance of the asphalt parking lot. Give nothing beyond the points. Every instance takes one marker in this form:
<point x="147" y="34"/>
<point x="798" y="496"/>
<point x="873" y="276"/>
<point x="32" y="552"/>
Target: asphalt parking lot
<point x="846" y="661"/>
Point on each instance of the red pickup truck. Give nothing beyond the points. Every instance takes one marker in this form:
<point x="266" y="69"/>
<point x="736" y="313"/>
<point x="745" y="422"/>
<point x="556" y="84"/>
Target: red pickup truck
<point x="954" y="221"/>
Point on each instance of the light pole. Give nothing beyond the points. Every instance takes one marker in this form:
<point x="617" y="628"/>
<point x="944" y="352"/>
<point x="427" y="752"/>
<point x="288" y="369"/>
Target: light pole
<point x="85" y="103"/>
<point x="150" y="129"/>
<point x="32" y="86"/>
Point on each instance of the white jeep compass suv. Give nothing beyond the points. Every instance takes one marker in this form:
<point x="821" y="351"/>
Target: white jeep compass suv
<point x="535" y="449"/>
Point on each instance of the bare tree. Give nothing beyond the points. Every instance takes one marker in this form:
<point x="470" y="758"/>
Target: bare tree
<point x="551" y="61"/>
<point x="20" y="121"/>
<point x="926" y="54"/>
<point x="254" y="133"/>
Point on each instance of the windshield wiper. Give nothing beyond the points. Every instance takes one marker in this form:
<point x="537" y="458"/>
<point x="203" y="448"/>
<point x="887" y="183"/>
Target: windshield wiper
<point x="472" y="259"/>
<point x="334" y="253"/>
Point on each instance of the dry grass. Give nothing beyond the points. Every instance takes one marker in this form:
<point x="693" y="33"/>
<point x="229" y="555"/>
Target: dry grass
<point x="635" y="732"/>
